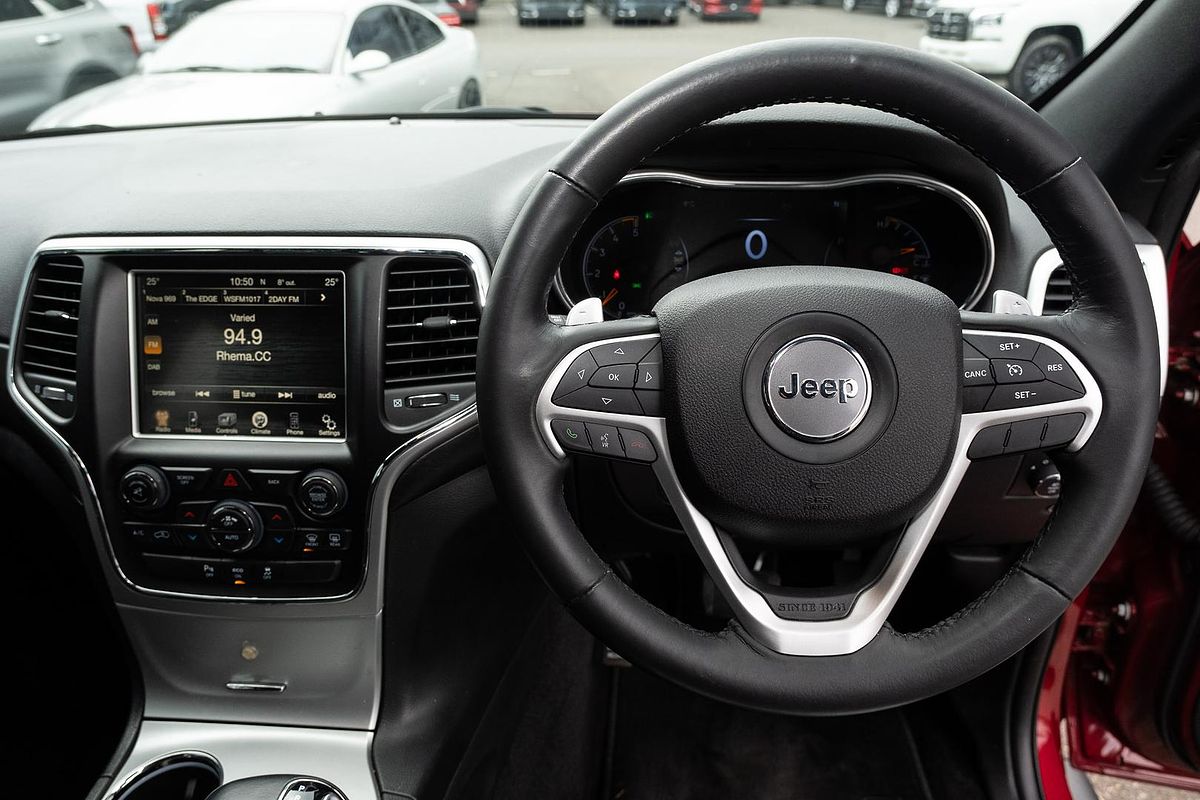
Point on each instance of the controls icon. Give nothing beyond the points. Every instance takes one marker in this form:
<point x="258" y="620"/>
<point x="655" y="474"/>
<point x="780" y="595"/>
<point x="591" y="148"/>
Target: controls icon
<point x="227" y="419"/>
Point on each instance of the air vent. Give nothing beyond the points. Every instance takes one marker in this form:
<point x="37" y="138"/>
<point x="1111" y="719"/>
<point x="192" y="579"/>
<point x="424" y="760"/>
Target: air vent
<point x="432" y="323"/>
<point x="1060" y="293"/>
<point x="50" y="335"/>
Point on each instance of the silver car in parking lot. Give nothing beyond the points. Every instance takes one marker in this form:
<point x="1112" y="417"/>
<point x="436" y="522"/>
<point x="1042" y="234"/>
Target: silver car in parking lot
<point x="53" y="49"/>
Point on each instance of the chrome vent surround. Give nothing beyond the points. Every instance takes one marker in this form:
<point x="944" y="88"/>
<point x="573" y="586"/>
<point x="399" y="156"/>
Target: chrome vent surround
<point x="431" y="322"/>
<point x="1060" y="293"/>
<point x="50" y="329"/>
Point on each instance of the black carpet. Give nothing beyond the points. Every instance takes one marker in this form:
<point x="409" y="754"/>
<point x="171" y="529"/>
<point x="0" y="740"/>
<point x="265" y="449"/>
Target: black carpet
<point x="674" y="744"/>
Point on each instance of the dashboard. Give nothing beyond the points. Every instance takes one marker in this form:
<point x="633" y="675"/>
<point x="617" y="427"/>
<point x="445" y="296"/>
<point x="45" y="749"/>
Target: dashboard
<point x="661" y="229"/>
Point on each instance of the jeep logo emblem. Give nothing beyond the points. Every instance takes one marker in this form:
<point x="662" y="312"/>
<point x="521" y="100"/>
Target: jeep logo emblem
<point x="817" y="388"/>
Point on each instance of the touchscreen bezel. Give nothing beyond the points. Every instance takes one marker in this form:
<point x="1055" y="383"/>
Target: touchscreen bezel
<point x="134" y="393"/>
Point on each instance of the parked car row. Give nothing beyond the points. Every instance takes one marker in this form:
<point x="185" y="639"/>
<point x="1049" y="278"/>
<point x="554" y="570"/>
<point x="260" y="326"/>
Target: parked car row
<point x="289" y="58"/>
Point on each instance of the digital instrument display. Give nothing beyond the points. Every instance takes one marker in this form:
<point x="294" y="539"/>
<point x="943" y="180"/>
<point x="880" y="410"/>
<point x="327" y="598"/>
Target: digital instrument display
<point x="247" y="354"/>
<point x="649" y="237"/>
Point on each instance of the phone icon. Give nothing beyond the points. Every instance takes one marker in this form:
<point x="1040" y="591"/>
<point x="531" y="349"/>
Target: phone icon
<point x="571" y="434"/>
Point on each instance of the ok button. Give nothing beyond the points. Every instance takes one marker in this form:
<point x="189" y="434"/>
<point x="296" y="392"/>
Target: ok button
<point x="615" y="376"/>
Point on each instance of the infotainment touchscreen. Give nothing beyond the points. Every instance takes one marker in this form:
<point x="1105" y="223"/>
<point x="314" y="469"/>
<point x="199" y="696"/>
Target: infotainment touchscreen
<point x="246" y="354"/>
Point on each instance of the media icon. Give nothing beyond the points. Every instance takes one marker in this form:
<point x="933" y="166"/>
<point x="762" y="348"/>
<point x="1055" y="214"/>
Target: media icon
<point x="193" y="419"/>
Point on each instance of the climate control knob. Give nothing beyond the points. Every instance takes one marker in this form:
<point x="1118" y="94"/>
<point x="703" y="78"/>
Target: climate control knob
<point x="322" y="493"/>
<point x="234" y="526"/>
<point x="145" y="488"/>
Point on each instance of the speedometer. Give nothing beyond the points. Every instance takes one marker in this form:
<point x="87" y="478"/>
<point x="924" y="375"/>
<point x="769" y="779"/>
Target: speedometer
<point x="631" y="262"/>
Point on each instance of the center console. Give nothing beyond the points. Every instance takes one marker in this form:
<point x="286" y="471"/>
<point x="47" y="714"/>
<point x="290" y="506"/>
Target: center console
<point x="235" y="413"/>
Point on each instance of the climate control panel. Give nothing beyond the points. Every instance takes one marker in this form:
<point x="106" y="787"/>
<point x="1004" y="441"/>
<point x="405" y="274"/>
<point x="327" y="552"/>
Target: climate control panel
<point x="239" y="531"/>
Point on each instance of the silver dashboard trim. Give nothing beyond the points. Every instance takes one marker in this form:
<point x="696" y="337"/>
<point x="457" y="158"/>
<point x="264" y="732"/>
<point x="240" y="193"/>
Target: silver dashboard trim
<point x="399" y="246"/>
<point x="1153" y="264"/>
<point x="910" y="179"/>
<point x="870" y="611"/>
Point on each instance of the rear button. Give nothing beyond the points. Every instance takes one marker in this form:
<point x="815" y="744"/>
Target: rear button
<point x="1026" y="395"/>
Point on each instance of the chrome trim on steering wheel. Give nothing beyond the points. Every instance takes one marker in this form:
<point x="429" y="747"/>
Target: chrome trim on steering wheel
<point x="871" y="609"/>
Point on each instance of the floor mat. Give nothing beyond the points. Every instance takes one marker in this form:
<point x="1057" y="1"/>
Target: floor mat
<point x="675" y="745"/>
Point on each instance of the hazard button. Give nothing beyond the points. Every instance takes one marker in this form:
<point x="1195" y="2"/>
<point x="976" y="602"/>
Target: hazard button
<point x="231" y="480"/>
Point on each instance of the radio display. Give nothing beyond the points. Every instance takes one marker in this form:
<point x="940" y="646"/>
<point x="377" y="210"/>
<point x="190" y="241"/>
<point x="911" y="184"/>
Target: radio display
<point x="246" y="354"/>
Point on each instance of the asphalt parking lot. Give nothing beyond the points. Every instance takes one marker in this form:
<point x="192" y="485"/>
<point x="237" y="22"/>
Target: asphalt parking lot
<point x="588" y="68"/>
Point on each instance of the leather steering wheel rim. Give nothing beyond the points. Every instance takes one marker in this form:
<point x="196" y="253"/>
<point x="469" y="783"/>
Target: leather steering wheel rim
<point x="1110" y="328"/>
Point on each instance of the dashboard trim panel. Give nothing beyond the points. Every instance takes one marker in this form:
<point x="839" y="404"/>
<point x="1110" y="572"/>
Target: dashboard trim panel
<point x="399" y="246"/>
<point x="909" y="179"/>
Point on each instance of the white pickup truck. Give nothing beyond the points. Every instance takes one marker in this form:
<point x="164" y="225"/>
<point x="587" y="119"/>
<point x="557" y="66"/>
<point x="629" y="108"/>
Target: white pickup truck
<point x="1032" y="43"/>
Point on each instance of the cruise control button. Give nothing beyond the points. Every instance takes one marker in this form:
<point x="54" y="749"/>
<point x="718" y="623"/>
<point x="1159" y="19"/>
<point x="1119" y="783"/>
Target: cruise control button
<point x="1056" y="368"/>
<point x="1026" y="435"/>
<point x="638" y="446"/>
<point x="1026" y="395"/>
<point x="1014" y="371"/>
<point x="1017" y="347"/>
<point x="989" y="442"/>
<point x="616" y="376"/>
<point x="571" y="435"/>
<point x="1062" y="429"/>
<point x="622" y="352"/>
<point x="649" y="375"/>
<point x="614" y="401"/>
<point x="576" y="376"/>
<point x="977" y="372"/>
<point x="605" y="440"/>
<point x="975" y="398"/>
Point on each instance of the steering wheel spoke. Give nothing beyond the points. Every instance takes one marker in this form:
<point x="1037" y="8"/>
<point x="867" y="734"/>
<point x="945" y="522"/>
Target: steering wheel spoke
<point x="604" y="397"/>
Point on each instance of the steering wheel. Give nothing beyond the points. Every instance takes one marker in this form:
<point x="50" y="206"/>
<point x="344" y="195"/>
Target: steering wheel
<point x="810" y="406"/>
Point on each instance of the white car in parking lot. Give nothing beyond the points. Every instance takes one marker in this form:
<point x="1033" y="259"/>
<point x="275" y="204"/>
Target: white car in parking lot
<point x="1032" y="43"/>
<point x="289" y="58"/>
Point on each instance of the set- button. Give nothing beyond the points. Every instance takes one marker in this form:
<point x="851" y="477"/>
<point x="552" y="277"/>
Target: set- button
<point x="1003" y="372"/>
<point x="622" y="377"/>
<point x="604" y="440"/>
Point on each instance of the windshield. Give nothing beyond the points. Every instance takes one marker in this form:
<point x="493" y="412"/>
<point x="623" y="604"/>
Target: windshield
<point x="251" y="41"/>
<point x="176" y="61"/>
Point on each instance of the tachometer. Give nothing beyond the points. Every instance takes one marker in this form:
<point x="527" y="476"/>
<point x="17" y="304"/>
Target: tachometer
<point x="900" y="249"/>
<point x="631" y="262"/>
